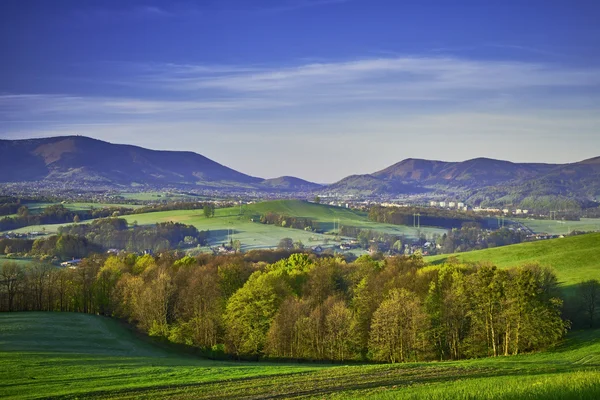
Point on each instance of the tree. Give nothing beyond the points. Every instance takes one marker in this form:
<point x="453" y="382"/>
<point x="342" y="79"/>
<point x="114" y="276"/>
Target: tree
<point x="23" y="211"/>
<point x="588" y="293"/>
<point x="298" y="245"/>
<point x="209" y="210"/>
<point x="286" y="244"/>
<point x="76" y="219"/>
<point x="251" y="310"/>
<point x="11" y="277"/>
<point x="317" y="200"/>
<point x="397" y="325"/>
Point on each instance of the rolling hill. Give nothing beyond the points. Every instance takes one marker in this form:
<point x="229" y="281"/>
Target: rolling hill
<point x="574" y="259"/>
<point x="69" y="355"/>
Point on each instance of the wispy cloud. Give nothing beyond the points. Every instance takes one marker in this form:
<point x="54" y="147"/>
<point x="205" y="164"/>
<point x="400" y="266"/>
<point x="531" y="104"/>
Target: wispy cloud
<point x="195" y="90"/>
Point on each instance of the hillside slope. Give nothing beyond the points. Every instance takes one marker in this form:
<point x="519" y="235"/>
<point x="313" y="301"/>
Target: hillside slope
<point x="574" y="259"/>
<point x="67" y="355"/>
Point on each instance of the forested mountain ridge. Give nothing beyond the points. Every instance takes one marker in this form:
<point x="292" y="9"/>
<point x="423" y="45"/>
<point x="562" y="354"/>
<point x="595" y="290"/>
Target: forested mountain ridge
<point x="82" y="159"/>
<point x="482" y="179"/>
<point x="479" y="181"/>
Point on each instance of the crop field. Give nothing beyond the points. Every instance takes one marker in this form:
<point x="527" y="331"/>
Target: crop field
<point x="67" y="355"/>
<point x="561" y="227"/>
<point x="574" y="259"/>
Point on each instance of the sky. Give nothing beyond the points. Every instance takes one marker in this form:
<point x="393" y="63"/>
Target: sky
<point x="317" y="89"/>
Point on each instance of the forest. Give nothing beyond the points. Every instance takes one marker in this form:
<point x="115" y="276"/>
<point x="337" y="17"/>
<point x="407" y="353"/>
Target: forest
<point x="301" y="307"/>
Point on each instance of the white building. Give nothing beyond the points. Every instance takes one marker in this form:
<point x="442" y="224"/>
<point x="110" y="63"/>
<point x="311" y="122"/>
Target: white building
<point x="433" y="203"/>
<point x="460" y="204"/>
<point x="452" y="204"/>
<point x="442" y="204"/>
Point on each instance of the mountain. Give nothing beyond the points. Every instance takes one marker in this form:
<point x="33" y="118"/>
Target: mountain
<point x="81" y="159"/>
<point x="290" y="183"/>
<point x="483" y="181"/>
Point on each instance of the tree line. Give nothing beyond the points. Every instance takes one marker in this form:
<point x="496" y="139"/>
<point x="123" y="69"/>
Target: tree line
<point x="288" y="221"/>
<point x="303" y="307"/>
<point x="81" y="240"/>
<point x="428" y="216"/>
<point x="56" y="214"/>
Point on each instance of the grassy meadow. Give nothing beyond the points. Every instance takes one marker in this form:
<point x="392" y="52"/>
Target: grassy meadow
<point x="67" y="355"/>
<point x="574" y="259"/>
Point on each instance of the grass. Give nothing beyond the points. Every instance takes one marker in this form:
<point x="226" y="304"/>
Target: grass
<point x="561" y="227"/>
<point x="574" y="259"/>
<point x="66" y="355"/>
<point x="254" y="235"/>
<point x="21" y="261"/>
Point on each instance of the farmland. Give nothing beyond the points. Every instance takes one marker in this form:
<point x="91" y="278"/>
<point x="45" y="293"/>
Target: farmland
<point x="68" y="355"/>
<point x="573" y="259"/>
<point x="243" y="223"/>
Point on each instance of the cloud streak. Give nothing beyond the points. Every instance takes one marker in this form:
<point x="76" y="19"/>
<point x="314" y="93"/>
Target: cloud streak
<point x="406" y="84"/>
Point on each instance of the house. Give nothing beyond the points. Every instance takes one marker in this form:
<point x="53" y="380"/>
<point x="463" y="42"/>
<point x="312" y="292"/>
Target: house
<point x="452" y="204"/>
<point x="71" y="264"/>
<point x="442" y="204"/>
<point x="433" y="203"/>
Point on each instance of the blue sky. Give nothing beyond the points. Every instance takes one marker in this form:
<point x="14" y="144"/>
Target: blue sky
<point x="318" y="89"/>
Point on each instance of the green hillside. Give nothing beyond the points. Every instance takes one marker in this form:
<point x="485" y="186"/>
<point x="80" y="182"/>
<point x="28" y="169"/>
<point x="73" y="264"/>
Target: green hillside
<point x="66" y="355"/>
<point x="573" y="258"/>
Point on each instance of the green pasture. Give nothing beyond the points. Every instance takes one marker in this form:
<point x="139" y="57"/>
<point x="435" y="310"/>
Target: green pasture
<point x="67" y="355"/>
<point x="574" y="259"/>
<point x="553" y="227"/>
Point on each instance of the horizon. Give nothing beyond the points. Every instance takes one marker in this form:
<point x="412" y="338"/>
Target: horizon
<point x="371" y="83"/>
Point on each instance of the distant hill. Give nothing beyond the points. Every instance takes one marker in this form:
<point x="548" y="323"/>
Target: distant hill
<point x="290" y="183"/>
<point x="481" y="181"/>
<point x="80" y="159"/>
<point x="484" y="180"/>
<point x="574" y="258"/>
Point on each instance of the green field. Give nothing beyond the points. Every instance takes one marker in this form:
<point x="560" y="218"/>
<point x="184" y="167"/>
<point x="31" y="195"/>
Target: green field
<point x="254" y="235"/>
<point x="21" y="261"/>
<point x="574" y="259"/>
<point x="66" y="355"/>
<point x="561" y="227"/>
